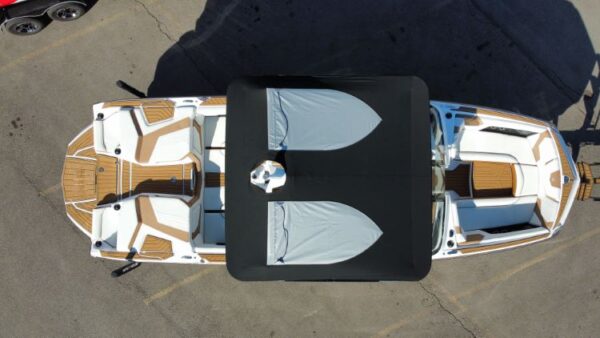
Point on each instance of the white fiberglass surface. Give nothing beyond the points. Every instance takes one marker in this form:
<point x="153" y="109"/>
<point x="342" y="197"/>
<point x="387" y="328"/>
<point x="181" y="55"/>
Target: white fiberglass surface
<point x="478" y="214"/>
<point x="172" y="147"/>
<point x="171" y="211"/>
<point x="214" y="131"/>
<point x="214" y="160"/>
<point x="119" y="132"/>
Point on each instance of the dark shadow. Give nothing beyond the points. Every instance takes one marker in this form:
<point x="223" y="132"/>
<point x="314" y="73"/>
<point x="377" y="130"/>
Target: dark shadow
<point x="107" y="199"/>
<point x="589" y="133"/>
<point x="532" y="57"/>
<point x="169" y="187"/>
<point x="126" y="268"/>
<point x="151" y="186"/>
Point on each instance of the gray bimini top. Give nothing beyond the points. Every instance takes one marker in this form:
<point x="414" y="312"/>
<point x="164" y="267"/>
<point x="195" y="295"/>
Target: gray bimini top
<point x="351" y="159"/>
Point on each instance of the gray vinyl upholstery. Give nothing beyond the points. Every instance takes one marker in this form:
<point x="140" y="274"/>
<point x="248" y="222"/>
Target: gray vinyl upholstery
<point x="316" y="119"/>
<point x="317" y="232"/>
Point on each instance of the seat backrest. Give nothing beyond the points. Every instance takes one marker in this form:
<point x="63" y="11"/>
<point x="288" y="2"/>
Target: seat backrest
<point x="486" y="213"/>
<point x="526" y="180"/>
<point x="115" y="224"/>
<point x="126" y="134"/>
<point x="123" y="225"/>
<point x="475" y="145"/>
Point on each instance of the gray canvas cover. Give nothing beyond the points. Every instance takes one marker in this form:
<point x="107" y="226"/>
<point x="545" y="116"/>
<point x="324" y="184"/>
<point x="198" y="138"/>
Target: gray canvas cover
<point x="317" y="232"/>
<point x="316" y="119"/>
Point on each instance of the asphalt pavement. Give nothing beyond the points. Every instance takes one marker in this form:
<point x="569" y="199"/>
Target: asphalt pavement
<point x="536" y="57"/>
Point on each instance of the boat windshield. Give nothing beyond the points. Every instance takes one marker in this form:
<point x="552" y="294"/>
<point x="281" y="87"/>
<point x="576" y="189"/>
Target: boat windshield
<point x="437" y="180"/>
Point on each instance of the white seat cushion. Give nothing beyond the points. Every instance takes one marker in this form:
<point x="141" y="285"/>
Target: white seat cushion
<point x="115" y="227"/>
<point x="214" y="161"/>
<point x="167" y="141"/>
<point x="172" y="146"/>
<point x="526" y="180"/>
<point x="486" y="213"/>
<point x="119" y="132"/>
<point x="511" y="149"/>
<point x="172" y="212"/>
<point x="214" y="131"/>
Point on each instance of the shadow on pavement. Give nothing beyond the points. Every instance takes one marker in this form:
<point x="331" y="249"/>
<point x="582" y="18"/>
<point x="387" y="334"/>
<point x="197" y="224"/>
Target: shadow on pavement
<point x="532" y="57"/>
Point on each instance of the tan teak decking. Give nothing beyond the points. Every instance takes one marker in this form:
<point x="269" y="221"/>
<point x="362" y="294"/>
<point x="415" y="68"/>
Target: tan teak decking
<point x="587" y="180"/>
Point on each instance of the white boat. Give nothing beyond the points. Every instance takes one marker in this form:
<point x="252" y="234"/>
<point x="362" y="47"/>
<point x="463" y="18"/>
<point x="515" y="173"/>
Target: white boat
<point x="505" y="180"/>
<point x="146" y="180"/>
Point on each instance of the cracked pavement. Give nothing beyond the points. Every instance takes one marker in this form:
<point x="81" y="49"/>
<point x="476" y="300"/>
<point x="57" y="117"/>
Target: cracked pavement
<point x="50" y="285"/>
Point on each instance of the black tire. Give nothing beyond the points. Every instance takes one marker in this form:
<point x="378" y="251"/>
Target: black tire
<point x="66" y="12"/>
<point x="25" y="26"/>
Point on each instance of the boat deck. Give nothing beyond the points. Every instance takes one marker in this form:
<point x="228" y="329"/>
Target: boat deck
<point x="495" y="169"/>
<point x="91" y="179"/>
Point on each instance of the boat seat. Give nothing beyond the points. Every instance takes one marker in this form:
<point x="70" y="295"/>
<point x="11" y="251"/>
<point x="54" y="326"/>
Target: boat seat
<point x="542" y="146"/>
<point x="475" y="145"/>
<point x="127" y="135"/>
<point x="487" y="213"/>
<point x="115" y="227"/>
<point x="214" y="131"/>
<point x="526" y="180"/>
<point x="124" y="226"/>
<point x="214" y="160"/>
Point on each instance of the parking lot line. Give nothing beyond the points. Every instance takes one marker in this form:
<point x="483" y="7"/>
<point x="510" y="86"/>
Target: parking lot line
<point x="162" y="293"/>
<point x="455" y="299"/>
<point x="447" y="296"/>
<point x="404" y="321"/>
<point x="50" y="190"/>
<point x="526" y="265"/>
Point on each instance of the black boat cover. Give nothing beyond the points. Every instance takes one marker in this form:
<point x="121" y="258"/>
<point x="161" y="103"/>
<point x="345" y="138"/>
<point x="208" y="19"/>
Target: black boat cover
<point x="381" y="179"/>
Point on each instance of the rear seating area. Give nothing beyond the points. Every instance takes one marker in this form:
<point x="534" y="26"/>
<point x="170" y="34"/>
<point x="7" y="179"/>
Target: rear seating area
<point x="179" y="136"/>
<point x="153" y="227"/>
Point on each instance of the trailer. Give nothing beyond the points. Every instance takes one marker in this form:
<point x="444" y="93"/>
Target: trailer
<point x="28" y="17"/>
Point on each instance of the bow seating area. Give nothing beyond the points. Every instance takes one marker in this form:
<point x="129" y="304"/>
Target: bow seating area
<point x="514" y="177"/>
